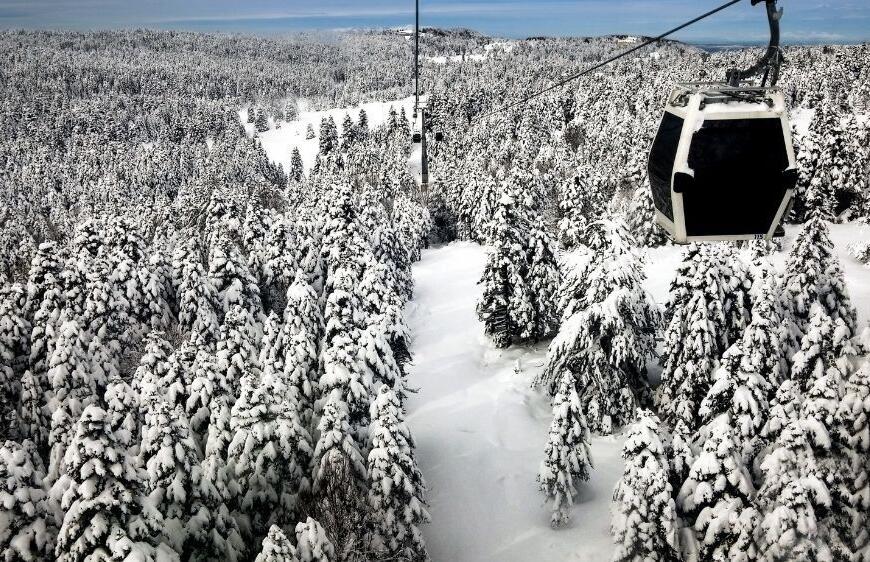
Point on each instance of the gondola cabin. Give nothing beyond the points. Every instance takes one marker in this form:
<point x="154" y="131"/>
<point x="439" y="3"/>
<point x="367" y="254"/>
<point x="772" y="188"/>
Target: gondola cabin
<point x="722" y="165"/>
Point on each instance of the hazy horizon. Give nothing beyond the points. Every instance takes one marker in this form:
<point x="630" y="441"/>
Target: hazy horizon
<point x="806" y="21"/>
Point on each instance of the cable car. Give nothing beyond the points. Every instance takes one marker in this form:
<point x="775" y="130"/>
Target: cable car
<point x="722" y="165"/>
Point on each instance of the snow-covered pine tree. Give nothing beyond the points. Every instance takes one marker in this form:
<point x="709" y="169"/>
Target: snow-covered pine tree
<point x="691" y="342"/>
<point x="300" y="336"/>
<point x="170" y="461"/>
<point x="717" y="498"/>
<point x="297" y="171"/>
<point x="573" y="210"/>
<point x="208" y="385"/>
<point x="279" y="267"/>
<point x="567" y="457"/>
<point x="328" y="136"/>
<point x="34" y="420"/>
<point x="100" y="499"/>
<point x="309" y="132"/>
<point x="229" y="274"/>
<point x="789" y="499"/>
<point x="213" y="533"/>
<point x="642" y="221"/>
<point x="821" y="369"/>
<point x="14" y="337"/>
<point x="342" y="364"/>
<point x="25" y="526"/>
<point x="152" y="370"/>
<point x="44" y="275"/>
<point x="199" y="307"/>
<point x="339" y="475"/>
<point x="122" y="413"/>
<point x="395" y="484"/>
<point x="644" y="520"/>
<point x="237" y="346"/>
<point x="276" y="547"/>
<point x="43" y="337"/>
<point x="854" y="439"/>
<point x="813" y="275"/>
<point x="761" y="342"/>
<point x="826" y="345"/>
<point x="270" y="452"/>
<point x="73" y="389"/>
<point x="607" y="334"/>
<point x="543" y="281"/>
<point x="312" y="544"/>
<point x="738" y="399"/>
<point x="159" y="297"/>
<point x="505" y="305"/>
<point x="735" y="282"/>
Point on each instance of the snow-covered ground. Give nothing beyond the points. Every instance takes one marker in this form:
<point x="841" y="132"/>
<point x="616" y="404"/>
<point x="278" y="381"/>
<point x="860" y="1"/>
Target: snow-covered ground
<point x="278" y="143"/>
<point x="481" y="430"/>
<point x="504" y="46"/>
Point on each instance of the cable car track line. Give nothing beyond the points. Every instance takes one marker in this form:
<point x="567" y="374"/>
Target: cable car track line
<point x="616" y="57"/>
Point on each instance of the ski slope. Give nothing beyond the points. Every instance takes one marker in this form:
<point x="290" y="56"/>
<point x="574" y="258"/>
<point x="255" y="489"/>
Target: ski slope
<point x="481" y="430"/>
<point x="279" y="141"/>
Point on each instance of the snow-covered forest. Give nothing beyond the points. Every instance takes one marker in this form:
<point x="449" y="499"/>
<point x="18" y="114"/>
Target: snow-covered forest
<point x="233" y="327"/>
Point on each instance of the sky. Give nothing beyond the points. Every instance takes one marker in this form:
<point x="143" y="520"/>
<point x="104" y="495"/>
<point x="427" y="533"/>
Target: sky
<point x="805" y="21"/>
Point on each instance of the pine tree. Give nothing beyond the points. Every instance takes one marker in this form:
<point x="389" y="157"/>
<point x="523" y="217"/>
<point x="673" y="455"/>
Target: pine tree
<point x="207" y="387"/>
<point x="342" y="364"/>
<point x="199" y="306"/>
<point x="152" y="370"/>
<point x="14" y="332"/>
<point x="73" y="389"/>
<point x="363" y="122"/>
<point x="543" y="281"/>
<point x="232" y="279"/>
<point x="214" y="534"/>
<point x="395" y="484"/>
<point x="122" y="413"/>
<point x="300" y="335"/>
<point x="312" y="545"/>
<point x="641" y="220"/>
<point x="309" y="132"/>
<point x="25" y="528"/>
<point x="573" y="210"/>
<point x="328" y="136"/>
<point x="607" y="333"/>
<point x="825" y="346"/>
<point x="567" y="458"/>
<point x="297" y="170"/>
<point x="718" y="497"/>
<point x="270" y="451"/>
<point x="788" y="501"/>
<point x="738" y="400"/>
<point x="100" y="500"/>
<point x="813" y="275"/>
<point x="687" y="374"/>
<point x="279" y="265"/>
<point x="172" y="472"/>
<point x="44" y="275"/>
<point x="505" y="307"/>
<point x="34" y="421"/>
<point x="644" y="522"/>
<point x="237" y="346"/>
<point x="854" y="437"/>
<point x="276" y="547"/>
<point x="339" y="477"/>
